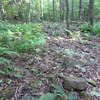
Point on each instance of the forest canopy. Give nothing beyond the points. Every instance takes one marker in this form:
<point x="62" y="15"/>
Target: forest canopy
<point x="34" y="10"/>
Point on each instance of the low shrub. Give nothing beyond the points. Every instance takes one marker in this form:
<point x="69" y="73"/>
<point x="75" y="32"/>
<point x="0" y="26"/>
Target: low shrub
<point x="85" y="27"/>
<point x="95" y="29"/>
<point x="21" y="37"/>
<point x="16" y="39"/>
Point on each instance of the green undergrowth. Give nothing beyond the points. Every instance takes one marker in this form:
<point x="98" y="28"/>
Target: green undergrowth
<point x="91" y="30"/>
<point x="19" y="38"/>
<point x="58" y="94"/>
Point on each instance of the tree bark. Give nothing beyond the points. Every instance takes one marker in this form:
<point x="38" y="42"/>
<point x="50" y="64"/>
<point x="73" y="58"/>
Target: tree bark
<point x="42" y="9"/>
<point x="61" y="10"/>
<point x="54" y="10"/>
<point x="30" y="11"/>
<point x="48" y="9"/>
<point x="67" y="13"/>
<point x="80" y="9"/>
<point x="91" y="12"/>
<point x="19" y="10"/>
<point x="2" y="11"/>
<point x="72" y="10"/>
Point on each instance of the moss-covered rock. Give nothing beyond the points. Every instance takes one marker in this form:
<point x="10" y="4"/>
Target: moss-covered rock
<point x="75" y="83"/>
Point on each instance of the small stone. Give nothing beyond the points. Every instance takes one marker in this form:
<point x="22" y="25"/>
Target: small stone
<point x="68" y="62"/>
<point x="75" y="83"/>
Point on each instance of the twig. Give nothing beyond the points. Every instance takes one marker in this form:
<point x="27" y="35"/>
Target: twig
<point x="16" y="93"/>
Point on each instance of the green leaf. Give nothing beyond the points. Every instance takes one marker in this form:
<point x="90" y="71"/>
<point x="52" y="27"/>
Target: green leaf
<point x="4" y="61"/>
<point x="48" y="96"/>
<point x="9" y="81"/>
<point x="92" y="82"/>
<point x="59" y="90"/>
<point x="28" y="97"/>
<point x="1" y="81"/>
<point x="37" y="50"/>
<point x="18" y="75"/>
<point x="71" y="97"/>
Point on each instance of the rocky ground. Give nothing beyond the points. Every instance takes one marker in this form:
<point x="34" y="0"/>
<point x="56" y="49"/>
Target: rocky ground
<point x="72" y="62"/>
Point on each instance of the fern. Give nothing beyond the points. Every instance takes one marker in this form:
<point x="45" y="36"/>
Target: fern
<point x="6" y="51"/>
<point x="94" y="30"/>
<point x="85" y="27"/>
<point x="20" y="37"/>
<point x="48" y="96"/>
<point x="4" y="61"/>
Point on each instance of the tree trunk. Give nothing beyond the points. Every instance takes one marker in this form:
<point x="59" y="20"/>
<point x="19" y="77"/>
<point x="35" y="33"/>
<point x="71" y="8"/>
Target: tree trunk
<point x="72" y="10"/>
<point x="67" y="13"/>
<point x="19" y="10"/>
<point x="54" y="10"/>
<point x="2" y="11"/>
<point x="61" y="10"/>
<point x="30" y="11"/>
<point x="85" y="10"/>
<point x="48" y="9"/>
<point x="80" y="9"/>
<point x="91" y="12"/>
<point x="42" y="9"/>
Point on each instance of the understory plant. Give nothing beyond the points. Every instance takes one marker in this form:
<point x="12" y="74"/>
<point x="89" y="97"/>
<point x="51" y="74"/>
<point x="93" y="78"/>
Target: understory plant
<point x="91" y="30"/>
<point x="19" y="38"/>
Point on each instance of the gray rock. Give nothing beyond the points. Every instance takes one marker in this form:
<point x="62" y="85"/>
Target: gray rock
<point x="74" y="83"/>
<point x="68" y="62"/>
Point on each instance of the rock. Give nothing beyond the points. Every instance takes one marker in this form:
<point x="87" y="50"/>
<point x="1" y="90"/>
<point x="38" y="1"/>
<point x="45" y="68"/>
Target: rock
<point x="75" y="83"/>
<point x="68" y="63"/>
<point x="7" y="93"/>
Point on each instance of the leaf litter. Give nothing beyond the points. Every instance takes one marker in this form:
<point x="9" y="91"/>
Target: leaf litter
<point x="59" y="57"/>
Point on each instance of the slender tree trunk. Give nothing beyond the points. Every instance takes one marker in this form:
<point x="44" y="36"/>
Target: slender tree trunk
<point x="85" y="10"/>
<point x="2" y="11"/>
<point x="54" y="10"/>
<point x="91" y="12"/>
<point x="67" y="13"/>
<point x="42" y="9"/>
<point x="72" y="10"/>
<point x="61" y="10"/>
<point x="48" y="9"/>
<point x="19" y="10"/>
<point x="87" y="14"/>
<point x="30" y="11"/>
<point x="80" y="9"/>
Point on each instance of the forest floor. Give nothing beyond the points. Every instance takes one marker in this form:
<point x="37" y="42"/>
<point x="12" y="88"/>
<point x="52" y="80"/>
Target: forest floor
<point x="60" y="57"/>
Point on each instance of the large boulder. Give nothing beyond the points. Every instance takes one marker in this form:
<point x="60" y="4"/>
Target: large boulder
<point x="75" y="83"/>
